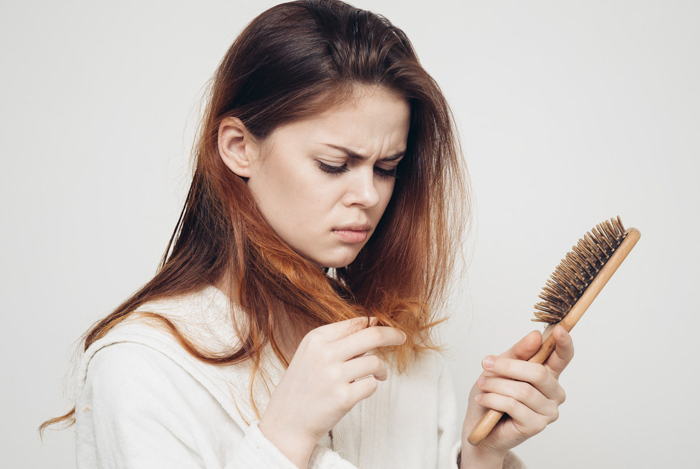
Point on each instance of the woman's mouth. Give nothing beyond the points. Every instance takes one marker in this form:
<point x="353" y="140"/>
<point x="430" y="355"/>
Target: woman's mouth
<point x="352" y="236"/>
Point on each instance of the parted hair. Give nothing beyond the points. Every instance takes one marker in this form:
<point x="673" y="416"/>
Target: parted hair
<point x="291" y="62"/>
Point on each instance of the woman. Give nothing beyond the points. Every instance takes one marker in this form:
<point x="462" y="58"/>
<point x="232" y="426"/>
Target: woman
<point x="313" y="250"/>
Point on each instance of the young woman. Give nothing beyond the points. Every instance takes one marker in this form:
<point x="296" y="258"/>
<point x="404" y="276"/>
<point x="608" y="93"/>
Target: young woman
<point x="307" y="266"/>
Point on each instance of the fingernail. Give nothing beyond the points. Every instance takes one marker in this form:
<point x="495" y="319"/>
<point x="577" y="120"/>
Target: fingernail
<point x="481" y="381"/>
<point x="404" y="335"/>
<point x="488" y="362"/>
<point x="478" y="398"/>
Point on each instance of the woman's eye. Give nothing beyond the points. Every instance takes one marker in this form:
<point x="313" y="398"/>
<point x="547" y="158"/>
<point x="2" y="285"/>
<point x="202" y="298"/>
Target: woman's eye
<point x="326" y="168"/>
<point x="385" y="173"/>
<point x="381" y="172"/>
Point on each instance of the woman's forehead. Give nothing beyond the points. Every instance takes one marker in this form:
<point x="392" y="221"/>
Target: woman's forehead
<point x="371" y="123"/>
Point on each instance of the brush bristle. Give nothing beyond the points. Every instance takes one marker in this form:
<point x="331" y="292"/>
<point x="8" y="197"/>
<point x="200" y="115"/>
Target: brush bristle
<point x="577" y="270"/>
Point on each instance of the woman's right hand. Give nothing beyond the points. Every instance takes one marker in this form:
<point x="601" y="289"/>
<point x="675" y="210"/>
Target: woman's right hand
<point x="322" y="384"/>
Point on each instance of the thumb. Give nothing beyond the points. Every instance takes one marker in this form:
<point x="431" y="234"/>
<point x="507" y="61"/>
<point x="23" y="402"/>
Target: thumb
<point x="525" y="348"/>
<point x="342" y="329"/>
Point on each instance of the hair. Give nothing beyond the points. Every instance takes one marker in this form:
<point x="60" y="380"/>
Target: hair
<point x="291" y="62"/>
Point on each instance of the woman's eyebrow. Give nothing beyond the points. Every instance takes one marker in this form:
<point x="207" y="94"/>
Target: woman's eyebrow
<point x="356" y="156"/>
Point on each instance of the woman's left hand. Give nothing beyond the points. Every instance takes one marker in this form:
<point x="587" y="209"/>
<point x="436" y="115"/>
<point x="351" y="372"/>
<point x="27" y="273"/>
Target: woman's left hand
<point x="528" y="392"/>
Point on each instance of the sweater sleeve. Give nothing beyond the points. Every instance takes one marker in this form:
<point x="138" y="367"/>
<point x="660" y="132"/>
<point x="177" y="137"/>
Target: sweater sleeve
<point x="138" y="408"/>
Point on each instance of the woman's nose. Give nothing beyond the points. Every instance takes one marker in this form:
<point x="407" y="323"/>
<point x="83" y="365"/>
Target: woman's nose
<point x="362" y="190"/>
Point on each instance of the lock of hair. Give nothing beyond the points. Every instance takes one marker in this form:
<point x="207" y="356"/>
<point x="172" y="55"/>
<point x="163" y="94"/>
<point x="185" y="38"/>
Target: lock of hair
<point x="571" y="289"/>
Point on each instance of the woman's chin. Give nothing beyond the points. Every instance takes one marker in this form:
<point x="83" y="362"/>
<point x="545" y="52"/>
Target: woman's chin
<point x="335" y="261"/>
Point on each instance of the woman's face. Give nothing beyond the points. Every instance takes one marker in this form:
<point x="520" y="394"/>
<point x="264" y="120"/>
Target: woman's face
<point x="324" y="182"/>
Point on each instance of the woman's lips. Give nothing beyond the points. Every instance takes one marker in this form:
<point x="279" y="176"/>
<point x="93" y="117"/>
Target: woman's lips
<point x="352" y="236"/>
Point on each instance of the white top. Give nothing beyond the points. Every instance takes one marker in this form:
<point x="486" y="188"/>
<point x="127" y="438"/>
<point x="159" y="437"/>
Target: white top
<point x="144" y="402"/>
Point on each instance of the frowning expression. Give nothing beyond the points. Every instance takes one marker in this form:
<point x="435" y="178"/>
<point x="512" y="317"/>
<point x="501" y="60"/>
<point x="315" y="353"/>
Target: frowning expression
<point x="323" y="183"/>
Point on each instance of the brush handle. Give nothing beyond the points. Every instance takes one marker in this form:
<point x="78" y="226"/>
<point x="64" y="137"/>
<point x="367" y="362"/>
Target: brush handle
<point x="489" y="420"/>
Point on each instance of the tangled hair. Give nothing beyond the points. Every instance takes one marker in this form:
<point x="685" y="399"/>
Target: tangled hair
<point x="293" y="61"/>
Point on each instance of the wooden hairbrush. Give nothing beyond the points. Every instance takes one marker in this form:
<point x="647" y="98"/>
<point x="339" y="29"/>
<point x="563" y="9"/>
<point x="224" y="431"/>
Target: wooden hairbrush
<point x="569" y="292"/>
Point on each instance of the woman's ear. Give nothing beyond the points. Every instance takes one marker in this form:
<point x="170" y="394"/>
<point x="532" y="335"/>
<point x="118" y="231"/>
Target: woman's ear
<point x="237" y="147"/>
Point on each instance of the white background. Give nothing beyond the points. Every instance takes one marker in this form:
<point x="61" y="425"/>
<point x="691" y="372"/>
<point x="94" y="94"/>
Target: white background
<point x="570" y="113"/>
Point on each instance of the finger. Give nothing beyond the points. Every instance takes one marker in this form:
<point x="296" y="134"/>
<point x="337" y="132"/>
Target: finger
<point x="527" y="421"/>
<point x="563" y="352"/>
<point x="525" y="348"/>
<point x="359" y="368"/>
<point x="363" y="388"/>
<point x="533" y="373"/>
<point x="341" y="329"/>
<point x="518" y="390"/>
<point x="368" y="339"/>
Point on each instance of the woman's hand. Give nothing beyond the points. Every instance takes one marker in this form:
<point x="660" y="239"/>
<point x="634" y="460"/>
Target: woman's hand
<point x="528" y="392"/>
<point x="323" y="383"/>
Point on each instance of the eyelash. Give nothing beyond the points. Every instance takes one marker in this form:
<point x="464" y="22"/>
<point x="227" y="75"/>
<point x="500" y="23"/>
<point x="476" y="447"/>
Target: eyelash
<point x="335" y="170"/>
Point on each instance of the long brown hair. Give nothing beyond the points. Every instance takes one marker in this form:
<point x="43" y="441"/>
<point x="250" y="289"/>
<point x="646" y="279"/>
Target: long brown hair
<point x="293" y="61"/>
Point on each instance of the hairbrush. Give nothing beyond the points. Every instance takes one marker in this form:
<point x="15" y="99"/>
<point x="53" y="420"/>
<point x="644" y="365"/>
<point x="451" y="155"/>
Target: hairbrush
<point x="573" y="286"/>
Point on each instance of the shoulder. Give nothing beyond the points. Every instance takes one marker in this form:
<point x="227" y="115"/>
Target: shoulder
<point x="130" y="385"/>
<point x="142" y="349"/>
<point x="138" y="367"/>
<point x="140" y="408"/>
<point x="131" y="391"/>
<point x="128" y="375"/>
<point x="206" y="317"/>
<point x="122" y="362"/>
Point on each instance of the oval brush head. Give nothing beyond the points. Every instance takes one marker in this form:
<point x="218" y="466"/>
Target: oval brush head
<point x="573" y="286"/>
<point x="577" y="270"/>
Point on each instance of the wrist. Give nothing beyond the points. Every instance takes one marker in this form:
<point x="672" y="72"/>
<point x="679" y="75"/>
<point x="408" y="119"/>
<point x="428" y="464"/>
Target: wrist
<point x="293" y="445"/>
<point x="474" y="457"/>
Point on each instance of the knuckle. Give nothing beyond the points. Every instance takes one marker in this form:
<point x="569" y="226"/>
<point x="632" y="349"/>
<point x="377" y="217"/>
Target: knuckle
<point x="376" y="362"/>
<point x="541" y="374"/>
<point x="312" y="339"/>
<point x="375" y="334"/>
<point x="555" y="415"/>
<point x="344" y="398"/>
<point x="511" y="405"/>
<point x="373" y="384"/>
<point x="562" y="399"/>
<point x="525" y="392"/>
<point x="334" y="373"/>
<point x="304" y="342"/>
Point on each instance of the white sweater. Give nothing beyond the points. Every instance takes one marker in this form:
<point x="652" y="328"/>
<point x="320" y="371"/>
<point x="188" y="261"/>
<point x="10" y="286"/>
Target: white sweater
<point x="144" y="402"/>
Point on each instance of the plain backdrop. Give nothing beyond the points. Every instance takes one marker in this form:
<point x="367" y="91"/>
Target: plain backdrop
<point x="570" y="113"/>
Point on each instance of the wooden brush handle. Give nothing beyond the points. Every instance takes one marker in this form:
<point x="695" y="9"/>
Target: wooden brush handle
<point x="489" y="420"/>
